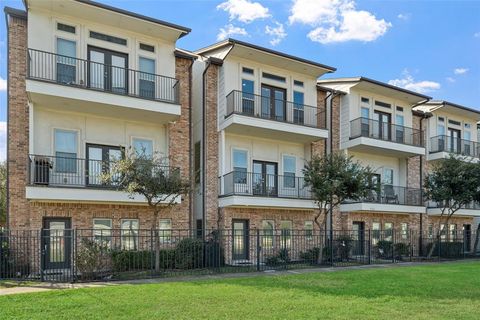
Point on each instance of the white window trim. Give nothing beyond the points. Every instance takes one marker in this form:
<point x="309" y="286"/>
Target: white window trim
<point x="283" y="170"/>
<point x="154" y="150"/>
<point x="393" y="175"/>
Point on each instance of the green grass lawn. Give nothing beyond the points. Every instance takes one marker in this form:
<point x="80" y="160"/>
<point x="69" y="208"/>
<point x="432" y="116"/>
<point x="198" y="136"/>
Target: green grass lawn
<point x="442" y="291"/>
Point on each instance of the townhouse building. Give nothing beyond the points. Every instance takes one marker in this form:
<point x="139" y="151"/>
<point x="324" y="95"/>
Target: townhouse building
<point x="258" y="117"/>
<point x="85" y="82"/>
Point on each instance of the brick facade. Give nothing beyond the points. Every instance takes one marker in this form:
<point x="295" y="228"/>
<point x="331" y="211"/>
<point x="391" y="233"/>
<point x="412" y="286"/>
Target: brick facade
<point x="24" y="214"/>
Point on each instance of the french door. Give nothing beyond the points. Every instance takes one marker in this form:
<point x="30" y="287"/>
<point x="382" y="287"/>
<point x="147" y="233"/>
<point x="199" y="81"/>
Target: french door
<point x="454" y="140"/>
<point x="240" y="243"/>
<point x="274" y="103"/>
<point x="98" y="161"/>
<point x="381" y="125"/>
<point x="265" y="178"/>
<point x="358" y="234"/>
<point x="107" y="70"/>
<point x="56" y="243"/>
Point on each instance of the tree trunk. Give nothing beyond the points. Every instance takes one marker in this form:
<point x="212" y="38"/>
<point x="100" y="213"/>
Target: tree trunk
<point x="157" y="240"/>
<point x="477" y="240"/>
<point x="321" y="238"/>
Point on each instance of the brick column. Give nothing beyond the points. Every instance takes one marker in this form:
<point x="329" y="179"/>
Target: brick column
<point x="18" y="124"/>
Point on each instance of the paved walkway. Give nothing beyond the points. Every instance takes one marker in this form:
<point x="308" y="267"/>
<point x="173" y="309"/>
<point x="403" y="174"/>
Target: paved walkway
<point x="46" y="286"/>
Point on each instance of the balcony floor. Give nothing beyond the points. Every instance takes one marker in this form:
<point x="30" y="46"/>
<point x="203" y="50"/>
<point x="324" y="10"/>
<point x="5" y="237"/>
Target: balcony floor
<point x="382" y="147"/>
<point x="266" y="202"/>
<point x="381" y="207"/>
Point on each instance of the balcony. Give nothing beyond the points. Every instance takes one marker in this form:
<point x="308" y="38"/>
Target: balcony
<point x="109" y="86"/>
<point x="264" y="190"/>
<point x="389" y="199"/>
<point x="441" y="146"/>
<point x="261" y="116"/>
<point x="61" y="178"/>
<point x="370" y="135"/>
<point x="471" y="209"/>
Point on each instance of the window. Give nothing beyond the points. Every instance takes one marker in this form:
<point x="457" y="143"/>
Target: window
<point x="268" y="227"/>
<point x="468" y="145"/>
<point x="196" y="162"/>
<point x="298" y="83"/>
<point x="441" y="126"/>
<point x="143" y="147"/>
<point x="365" y="121"/>
<point x="404" y="230"/>
<point x="65" y="151"/>
<point x="365" y="100"/>
<point x="308" y="230"/>
<point x="102" y="231"/>
<point x="66" y="62"/>
<point x="383" y="104"/>
<point x="65" y="27"/>
<point x="165" y="230"/>
<point x="240" y="166"/>
<point x="129" y="234"/>
<point x="105" y="37"/>
<point x="430" y="231"/>
<point x="387" y="176"/>
<point x="454" y="122"/>
<point x="388" y="231"/>
<point x="146" y="81"/>
<point x="147" y="47"/>
<point x="273" y="77"/>
<point x="289" y="170"/>
<point x="248" y="99"/>
<point x="247" y="70"/>
<point x="298" y="107"/>
<point x="286" y="233"/>
<point x="399" y="129"/>
<point x="443" y="232"/>
<point x="399" y="109"/>
<point x="375" y="232"/>
<point x="453" y="232"/>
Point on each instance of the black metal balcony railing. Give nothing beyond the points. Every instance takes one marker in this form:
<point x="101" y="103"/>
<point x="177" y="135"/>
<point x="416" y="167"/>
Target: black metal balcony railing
<point x="263" y="185"/>
<point x="257" y="106"/>
<point x="364" y="127"/>
<point x="87" y="74"/>
<point x="388" y="194"/>
<point x="454" y="145"/>
<point x="57" y="171"/>
<point x="471" y="206"/>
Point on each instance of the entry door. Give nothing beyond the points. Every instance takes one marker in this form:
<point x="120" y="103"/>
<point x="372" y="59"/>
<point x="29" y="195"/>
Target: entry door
<point x="240" y="239"/>
<point x="467" y="234"/>
<point x="56" y="242"/>
<point x="265" y="178"/>
<point x="382" y="124"/>
<point x="454" y="140"/>
<point x="98" y="161"/>
<point x="108" y="70"/>
<point x="358" y="229"/>
<point x="273" y="103"/>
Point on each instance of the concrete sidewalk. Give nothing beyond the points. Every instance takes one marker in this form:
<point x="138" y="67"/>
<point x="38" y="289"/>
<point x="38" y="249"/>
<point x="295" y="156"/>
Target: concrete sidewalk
<point x="47" y="286"/>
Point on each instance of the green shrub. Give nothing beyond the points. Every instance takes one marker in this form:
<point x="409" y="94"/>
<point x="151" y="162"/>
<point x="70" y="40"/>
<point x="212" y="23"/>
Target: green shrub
<point x="214" y="252"/>
<point x="188" y="254"/>
<point x="343" y="246"/>
<point x="402" y="249"/>
<point x="282" y="257"/>
<point x="272" y="261"/>
<point x="92" y="258"/>
<point x="447" y="249"/>
<point x="124" y="260"/>
<point x="311" y="255"/>
<point x="383" y="249"/>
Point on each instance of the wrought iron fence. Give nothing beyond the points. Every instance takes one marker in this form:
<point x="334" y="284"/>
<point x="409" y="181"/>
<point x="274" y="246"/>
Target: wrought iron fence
<point x="71" y="71"/>
<point x="67" y="255"/>
<point x="365" y="127"/>
<point x="270" y="108"/>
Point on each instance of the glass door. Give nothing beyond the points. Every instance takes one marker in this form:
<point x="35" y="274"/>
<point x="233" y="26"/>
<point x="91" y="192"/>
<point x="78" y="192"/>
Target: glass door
<point x="454" y="140"/>
<point x="273" y="103"/>
<point x="108" y="70"/>
<point x="240" y="239"/>
<point x="56" y="243"/>
<point x="358" y="234"/>
<point x="265" y="178"/>
<point x="382" y="123"/>
<point x="98" y="160"/>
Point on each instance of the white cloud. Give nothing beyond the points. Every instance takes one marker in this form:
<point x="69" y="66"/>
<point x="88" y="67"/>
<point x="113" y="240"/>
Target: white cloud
<point x="404" y="16"/>
<point x="3" y="140"/>
<point x="278" y="33"/>
<point x="476" y="34"/>
<point x="450" y="79"/>
<point x="230" y="30"/>
<point x="3" y="84"/>
<point x="409" y="83"/>
<point x="460" y="70"/>
<point x="244" y="10"/>
<point x="337" y="21"/>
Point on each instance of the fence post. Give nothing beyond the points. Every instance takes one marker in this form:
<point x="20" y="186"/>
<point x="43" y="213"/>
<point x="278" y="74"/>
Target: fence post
<point x="42" y="254"/>
<point x="258" y="249"/>
<point x="369" y="246"/>
<point x="439" y="239"/>
<point x="393" y="246"/>
<point x="152" y="252"/>
<point x="463" y="244"/>
<point x="331" y="247"/>
<point x="73" y="236"/>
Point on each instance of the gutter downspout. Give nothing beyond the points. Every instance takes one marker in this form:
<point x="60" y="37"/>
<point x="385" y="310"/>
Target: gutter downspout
<point x="424" y="117"/>
<point x="190" y="135"/>
<point x="7" y="193"/>
<point x="204" y="144"/>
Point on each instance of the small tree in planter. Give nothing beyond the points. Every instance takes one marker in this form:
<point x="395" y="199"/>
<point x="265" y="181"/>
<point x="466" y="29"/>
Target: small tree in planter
<point x="333" y="179"/>
<point x="150" y="176"/>
<point x="453" y="183"/>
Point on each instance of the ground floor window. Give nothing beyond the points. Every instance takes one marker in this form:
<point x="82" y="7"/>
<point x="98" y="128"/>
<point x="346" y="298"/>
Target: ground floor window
<point x="388" y="230"/>
<point x="404" y="230"/>
<point x="268" y="227"/>
<point x="308" y="230"/>
<point x="453" y="232"/>
<point x="375" y="232"/>
<point x="165" y="230"/>
<point x="129" y="234"/>
<point x="286" y="233"/>
<point x="102" y="231"/>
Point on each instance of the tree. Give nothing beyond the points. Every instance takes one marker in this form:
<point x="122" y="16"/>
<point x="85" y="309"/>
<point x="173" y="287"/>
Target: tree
<point x="333" y="179"/>
<point x="3" y="194"/>
<point x="150" y="176"/>
<point x="452" y="184"/>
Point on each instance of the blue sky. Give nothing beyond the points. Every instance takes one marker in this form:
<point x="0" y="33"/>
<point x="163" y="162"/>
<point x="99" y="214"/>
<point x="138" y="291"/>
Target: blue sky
<point x="428" y="46"/>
